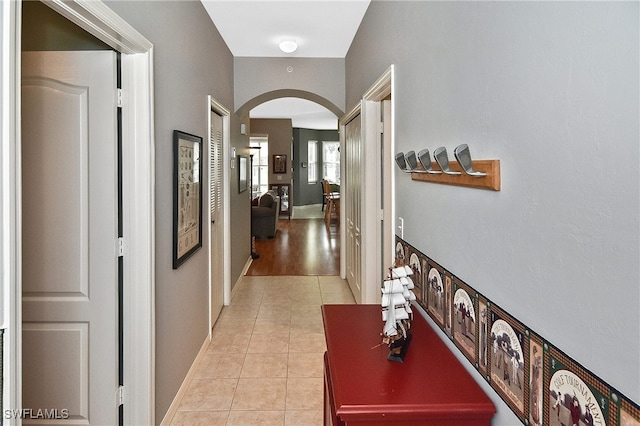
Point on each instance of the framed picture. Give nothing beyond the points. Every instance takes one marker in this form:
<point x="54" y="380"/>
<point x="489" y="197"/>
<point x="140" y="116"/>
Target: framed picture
<point x="435" y="290"/>
<point x="465" y="315"/>
<point x="187" y="196"/>
<point x="573" y="394"/>
<point x="508" y="356"/>
<point x="242" y="173"/>
<point x="279" y="163"/>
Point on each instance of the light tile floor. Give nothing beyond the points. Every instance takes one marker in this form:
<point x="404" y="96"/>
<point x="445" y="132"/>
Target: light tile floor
<point x="264" y="365"/>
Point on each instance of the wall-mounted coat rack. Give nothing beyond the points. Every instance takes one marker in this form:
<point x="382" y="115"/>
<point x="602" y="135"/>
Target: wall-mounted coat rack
<point x="482" y="174"/>
<point x="490" y="181"/>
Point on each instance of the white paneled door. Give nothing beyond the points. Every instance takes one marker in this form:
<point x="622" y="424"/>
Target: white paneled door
<point x="353" y="211"/>
<point x="69" y="235"/>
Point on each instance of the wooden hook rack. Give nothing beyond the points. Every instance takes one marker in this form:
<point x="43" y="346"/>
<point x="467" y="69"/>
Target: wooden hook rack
<point x="490" y="181"/>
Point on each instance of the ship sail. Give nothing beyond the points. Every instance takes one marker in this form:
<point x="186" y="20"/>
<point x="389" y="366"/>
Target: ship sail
<point x="397" y="295"/>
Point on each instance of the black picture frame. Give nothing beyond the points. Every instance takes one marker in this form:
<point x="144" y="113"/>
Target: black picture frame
<point x="279" y="163"/>
<point x="243" y="173"/>
<point x="187" y="196"/>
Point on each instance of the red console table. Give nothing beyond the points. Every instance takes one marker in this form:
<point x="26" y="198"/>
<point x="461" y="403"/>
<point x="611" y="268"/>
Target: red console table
<point x="362" y="387"/>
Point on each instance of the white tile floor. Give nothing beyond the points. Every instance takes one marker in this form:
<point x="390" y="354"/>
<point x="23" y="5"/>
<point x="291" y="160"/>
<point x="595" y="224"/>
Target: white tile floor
<point x="264" y="365"/>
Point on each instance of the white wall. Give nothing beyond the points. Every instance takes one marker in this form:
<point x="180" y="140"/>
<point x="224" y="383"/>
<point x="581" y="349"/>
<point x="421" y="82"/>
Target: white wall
<point x="551" y="89"/>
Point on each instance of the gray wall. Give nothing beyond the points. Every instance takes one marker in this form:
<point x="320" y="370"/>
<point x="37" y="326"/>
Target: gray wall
<point x="280" y="132"/>
<point x="190" y="61"/>
<point x="305" y="193"/>
<point x="550" y="89"/>
<point x="321" y="76"/>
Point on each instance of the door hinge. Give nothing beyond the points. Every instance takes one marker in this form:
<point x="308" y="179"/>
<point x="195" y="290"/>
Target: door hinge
<point x="120" y="396"/>
<point x="120" y="247"/>
<point x="381" y="127"/>
<point x="381" y="214"/>
<point x="120" y="98"/>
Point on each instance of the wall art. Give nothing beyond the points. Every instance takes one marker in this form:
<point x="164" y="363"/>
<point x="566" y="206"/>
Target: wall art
<point x="279" y="163"/>
<point x="483" y="335"/>
<point x="187" y="196"/>
<point x="536" y="389"/>
<point x="243" y="173"/>
<point x="534" y="378"/>
<point x="416" y="266"/>
<point x="464" y="311"/>
<point x="574" y="395"/>
<point x="507" y="359"/>
<point x="435" y="293"/>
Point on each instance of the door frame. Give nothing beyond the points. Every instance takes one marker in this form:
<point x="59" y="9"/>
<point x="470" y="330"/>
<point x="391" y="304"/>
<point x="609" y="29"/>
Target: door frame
<point x="377" y="235"/>
<point x="214" y="106"/>
<point x="138" y="195"/>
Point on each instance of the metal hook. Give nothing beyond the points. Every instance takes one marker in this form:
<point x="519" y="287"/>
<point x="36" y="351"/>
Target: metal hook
<point x="425" y="160"/>
<point x="442" y="158"/>
<point x="412" y="163"/>
<point x="464" y="158"/>
<point x="401" y="162"/>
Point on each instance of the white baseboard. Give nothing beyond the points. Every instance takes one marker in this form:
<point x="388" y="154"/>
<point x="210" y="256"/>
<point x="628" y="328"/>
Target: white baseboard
<point x="173" y="408"/>
<point x="246" y="268"/>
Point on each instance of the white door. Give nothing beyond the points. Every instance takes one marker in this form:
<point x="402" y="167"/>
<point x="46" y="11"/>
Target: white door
<point x="352" y="198"/>
<point x="217" y="225"/>
<point x="70" y="300"/>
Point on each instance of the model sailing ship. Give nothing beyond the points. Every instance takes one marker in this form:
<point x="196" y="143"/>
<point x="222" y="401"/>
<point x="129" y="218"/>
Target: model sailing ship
<point x="397" y="295"/>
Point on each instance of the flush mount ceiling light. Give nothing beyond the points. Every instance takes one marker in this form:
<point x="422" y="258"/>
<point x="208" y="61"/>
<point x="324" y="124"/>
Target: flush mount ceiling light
<point x="288" y="46"/>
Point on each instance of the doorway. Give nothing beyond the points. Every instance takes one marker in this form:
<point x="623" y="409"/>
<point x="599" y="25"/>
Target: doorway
<point x="219" y="234"/>
<point x="369" y="189"/>
<point x="138" y="205"/>
<point x="70" y="299"/>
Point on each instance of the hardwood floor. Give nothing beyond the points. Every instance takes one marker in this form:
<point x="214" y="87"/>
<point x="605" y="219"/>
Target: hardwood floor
<point x="300" y="247"/>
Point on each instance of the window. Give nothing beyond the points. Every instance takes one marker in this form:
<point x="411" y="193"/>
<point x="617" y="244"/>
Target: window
<point x="312" y="159"/>
<point x="331" y="161"/>
<point x="260" y="169"/>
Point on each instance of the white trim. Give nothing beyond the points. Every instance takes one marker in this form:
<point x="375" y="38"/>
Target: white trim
<point x="389" y="184"/>
<point x="139" y="214"/>
<point x="370" y="236"/>
<point x="10" y="215"/>
<point x="139" y="198"/>
<point x="342" y="124"/>
<point x="173" y="408"/>
<point x="214" y="106"/>
<point x="247" y="265"/>
<point x="373" y="252"/>
<point x="99" y="20"/>
<point x="382" y="87"/>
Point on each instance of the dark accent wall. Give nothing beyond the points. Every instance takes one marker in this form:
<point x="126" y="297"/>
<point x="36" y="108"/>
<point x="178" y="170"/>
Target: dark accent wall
<point x="45" y="29"/>
<point x="306" y="193"/>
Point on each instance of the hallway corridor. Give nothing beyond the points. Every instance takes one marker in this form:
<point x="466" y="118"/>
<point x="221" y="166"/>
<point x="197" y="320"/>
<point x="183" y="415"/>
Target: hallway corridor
<point x="264" y="365"/>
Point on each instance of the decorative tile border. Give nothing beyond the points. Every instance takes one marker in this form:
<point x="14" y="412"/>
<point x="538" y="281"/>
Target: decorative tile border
<point x="541" y="384"/>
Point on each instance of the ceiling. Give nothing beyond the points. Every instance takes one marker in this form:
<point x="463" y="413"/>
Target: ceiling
<point x="322" y="29"/>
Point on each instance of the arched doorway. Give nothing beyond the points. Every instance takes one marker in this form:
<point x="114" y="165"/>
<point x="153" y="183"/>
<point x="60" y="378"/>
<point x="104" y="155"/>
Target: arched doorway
<point x="299" y="126"/>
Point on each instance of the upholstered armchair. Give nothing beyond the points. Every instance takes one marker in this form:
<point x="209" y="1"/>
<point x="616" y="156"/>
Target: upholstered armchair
<point x="264" y="216"/>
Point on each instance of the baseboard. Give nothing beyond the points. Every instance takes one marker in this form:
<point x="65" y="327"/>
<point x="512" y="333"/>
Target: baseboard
<point x="245" y="269"/>
<point x="173" y="408"/>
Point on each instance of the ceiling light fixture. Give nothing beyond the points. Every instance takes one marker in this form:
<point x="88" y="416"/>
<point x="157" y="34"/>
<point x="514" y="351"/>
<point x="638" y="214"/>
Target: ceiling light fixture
<point x="288" y="46"/>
